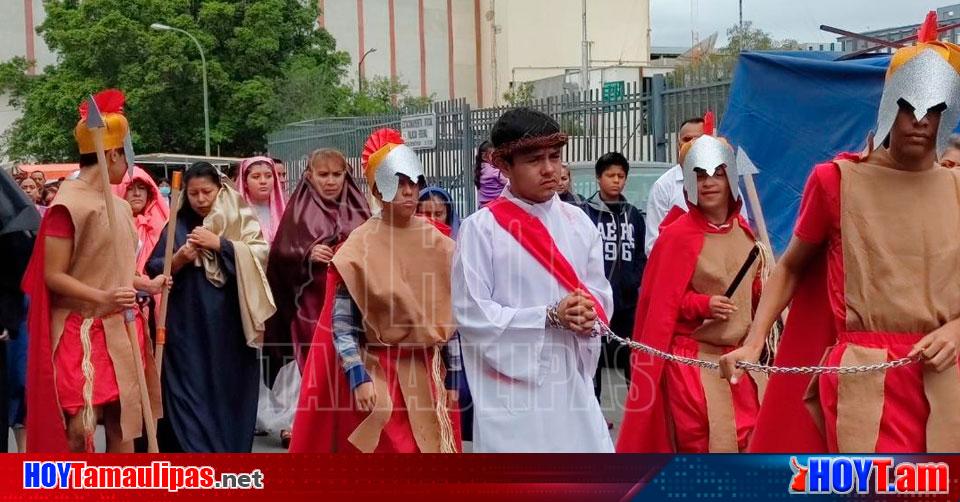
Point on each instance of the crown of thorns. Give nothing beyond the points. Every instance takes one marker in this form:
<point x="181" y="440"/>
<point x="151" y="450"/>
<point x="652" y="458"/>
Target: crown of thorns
<point x="528" y="143"/>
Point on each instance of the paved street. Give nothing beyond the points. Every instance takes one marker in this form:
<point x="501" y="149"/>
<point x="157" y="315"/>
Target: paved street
<point x="612" y="409"/>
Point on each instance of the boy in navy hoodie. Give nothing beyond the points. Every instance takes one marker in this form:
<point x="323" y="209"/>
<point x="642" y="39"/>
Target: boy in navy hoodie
<point x="622" y="229"/>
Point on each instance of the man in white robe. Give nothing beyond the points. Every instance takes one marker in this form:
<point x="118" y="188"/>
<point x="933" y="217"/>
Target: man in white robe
<point x="526" y="340"/>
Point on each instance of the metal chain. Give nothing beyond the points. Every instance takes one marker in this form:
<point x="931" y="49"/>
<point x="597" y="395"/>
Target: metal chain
<point x="601" y="329"/>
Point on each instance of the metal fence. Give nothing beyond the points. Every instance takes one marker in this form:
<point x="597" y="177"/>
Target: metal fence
<point x="641" y="124"/>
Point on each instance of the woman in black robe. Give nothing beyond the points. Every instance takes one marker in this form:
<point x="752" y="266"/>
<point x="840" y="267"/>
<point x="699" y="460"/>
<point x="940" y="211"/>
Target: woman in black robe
<point x="19" y="221"/>
<point x="210" y="369"/>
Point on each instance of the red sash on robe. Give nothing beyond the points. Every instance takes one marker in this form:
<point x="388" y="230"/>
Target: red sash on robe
<point x="666" y="278"/>
<point x="533" y="236"/>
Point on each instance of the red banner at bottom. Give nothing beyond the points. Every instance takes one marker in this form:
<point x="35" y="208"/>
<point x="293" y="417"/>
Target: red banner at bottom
<point x="291" y="477"/>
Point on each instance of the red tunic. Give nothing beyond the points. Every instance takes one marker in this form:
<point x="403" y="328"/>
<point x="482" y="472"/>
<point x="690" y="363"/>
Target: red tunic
<point x="58" y="388"/>
<point x="816" y="333"/>
<point x="667" y="406"/>
<point x="69" y="352"/>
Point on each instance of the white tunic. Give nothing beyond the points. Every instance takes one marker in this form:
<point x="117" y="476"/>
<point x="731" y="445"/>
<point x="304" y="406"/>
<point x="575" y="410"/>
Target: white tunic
<point x="532" y="386"/>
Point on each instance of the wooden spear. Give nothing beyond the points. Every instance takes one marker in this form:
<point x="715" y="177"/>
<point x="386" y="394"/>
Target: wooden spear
<point x="747" y="169"/>
<point x="167" y="267"/>
<point x="96" y="126"/>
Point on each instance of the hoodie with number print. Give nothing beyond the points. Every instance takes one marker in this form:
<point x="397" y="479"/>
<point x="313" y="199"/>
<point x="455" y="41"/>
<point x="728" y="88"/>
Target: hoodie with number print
<point x="622" y="229"/>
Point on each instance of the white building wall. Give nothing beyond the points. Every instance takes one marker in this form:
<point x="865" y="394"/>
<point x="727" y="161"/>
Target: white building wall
<point x="437" y="53"/>
<point x="519" y="40"/>
<point x="15" y="33"/>
<point x="407" y="27"/>
<point x="376" y="32"/>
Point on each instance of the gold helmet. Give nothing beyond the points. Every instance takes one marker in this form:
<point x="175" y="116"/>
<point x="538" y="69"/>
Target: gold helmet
<point x="110" y="103"/>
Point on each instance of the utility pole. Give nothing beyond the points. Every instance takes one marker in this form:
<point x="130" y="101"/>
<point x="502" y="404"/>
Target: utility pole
<point x="494" y="30"/>
<point x="741" y="16"/>
<point x="585" y="55"/>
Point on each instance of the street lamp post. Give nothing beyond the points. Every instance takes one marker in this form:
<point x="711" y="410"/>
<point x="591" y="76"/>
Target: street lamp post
<point x="359" y="66"/>
<point x="203" y="64"/>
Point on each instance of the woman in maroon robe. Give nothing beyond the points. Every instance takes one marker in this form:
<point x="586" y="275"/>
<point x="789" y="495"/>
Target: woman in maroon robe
<point x="324" y="208"/>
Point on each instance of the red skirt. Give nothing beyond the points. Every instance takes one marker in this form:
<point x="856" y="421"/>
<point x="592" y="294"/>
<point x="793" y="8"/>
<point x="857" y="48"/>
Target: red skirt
<point x="69" y="358"/>
<point x="903" y="420"/>
<point x="687" y="401"/>
<point x="397" y="435"/>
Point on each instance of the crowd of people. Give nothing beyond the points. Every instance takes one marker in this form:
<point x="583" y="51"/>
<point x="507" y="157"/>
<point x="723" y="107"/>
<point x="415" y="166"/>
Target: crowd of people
<point x="363" y="315"/>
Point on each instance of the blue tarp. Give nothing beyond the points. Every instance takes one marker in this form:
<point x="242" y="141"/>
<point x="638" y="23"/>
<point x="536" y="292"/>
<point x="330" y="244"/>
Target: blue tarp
<point x="791" y="111"/>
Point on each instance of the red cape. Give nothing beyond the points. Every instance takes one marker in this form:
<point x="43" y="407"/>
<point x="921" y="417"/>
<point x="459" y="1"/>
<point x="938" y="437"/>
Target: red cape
<point x="324" y="417"/>
<point x="785" y="424"/>
<point x="666" y="278"/>
<point x="46" y="429"/>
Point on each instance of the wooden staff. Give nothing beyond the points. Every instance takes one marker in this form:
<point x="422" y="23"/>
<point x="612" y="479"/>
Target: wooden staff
<point x="747" y="169"/>
<point x="757" y="211"/>
<point x="167" y="268"/>
<point x="96" y="126"/>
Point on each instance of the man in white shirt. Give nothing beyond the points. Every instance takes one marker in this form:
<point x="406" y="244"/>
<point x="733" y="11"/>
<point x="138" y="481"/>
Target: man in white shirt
<point x="528" y="287"/>
<point x="667" y="191"/>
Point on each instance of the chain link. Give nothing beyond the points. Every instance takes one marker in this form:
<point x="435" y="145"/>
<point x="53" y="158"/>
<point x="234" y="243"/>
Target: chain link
<point x="601" y="329"/>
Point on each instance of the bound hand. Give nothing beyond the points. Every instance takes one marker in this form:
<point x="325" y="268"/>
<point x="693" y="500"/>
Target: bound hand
<point x="202" y="238"/>
<point x="728" y="361"/>
<point x="366" y="396"/>
<point x="577" y="312"/>
<point x="939" y="348"/>
<point x="321" y="253"/>
<point x="118" y="299"/>
<point x="721" y="307"/>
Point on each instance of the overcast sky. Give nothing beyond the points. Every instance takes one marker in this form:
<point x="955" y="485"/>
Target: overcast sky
<point x="671" y="20"/>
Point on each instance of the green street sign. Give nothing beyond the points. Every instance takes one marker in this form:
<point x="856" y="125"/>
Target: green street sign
<point x="613" y="91"/>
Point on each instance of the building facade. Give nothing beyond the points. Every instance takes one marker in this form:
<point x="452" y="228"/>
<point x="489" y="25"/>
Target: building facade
<point x="18" y="38"/>
<point x="477" y="49"/>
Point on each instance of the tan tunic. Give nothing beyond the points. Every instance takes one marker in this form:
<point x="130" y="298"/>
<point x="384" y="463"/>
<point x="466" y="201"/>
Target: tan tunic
<point x="400" y="281"/>
<point x="720" y="259"/>
<point x="901" y="258"/>
<point x="93" y="263"/>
